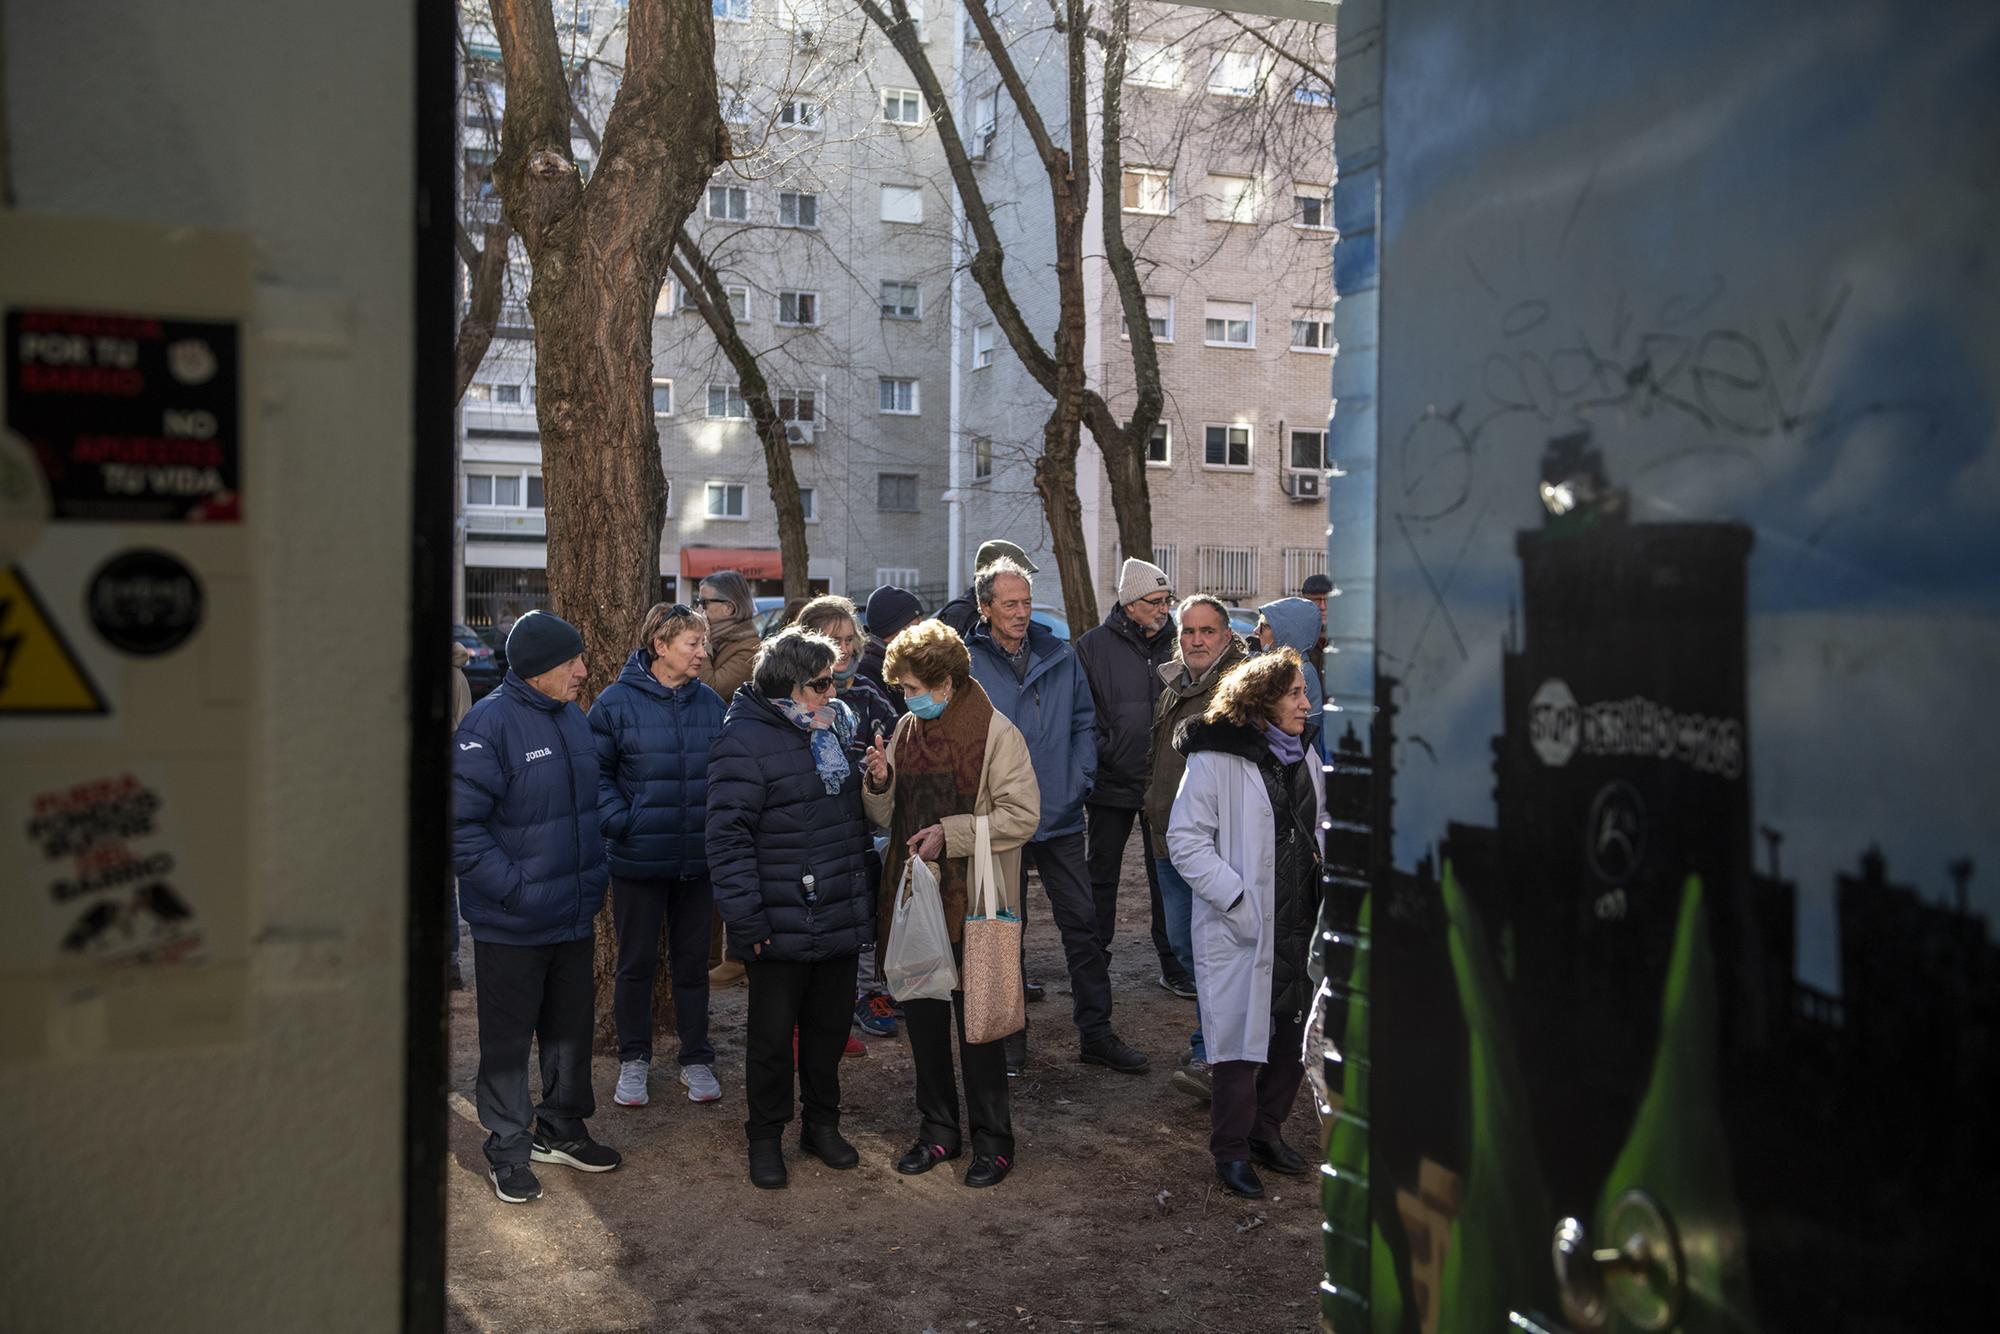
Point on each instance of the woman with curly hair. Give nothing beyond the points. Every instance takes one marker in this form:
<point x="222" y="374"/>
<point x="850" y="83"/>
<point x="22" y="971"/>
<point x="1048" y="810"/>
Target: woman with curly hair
<point x="953" y="759"/>
<point x="1245" y="835"/>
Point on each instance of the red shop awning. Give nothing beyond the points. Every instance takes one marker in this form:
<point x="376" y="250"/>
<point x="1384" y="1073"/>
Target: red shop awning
<point x="750" y="562"/>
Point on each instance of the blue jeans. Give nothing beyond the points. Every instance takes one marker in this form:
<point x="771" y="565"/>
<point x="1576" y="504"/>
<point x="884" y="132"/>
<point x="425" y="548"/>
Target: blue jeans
<point x="1177" y="900"/>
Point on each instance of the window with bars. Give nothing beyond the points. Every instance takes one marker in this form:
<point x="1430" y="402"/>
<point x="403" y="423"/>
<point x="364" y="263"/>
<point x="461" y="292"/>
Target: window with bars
<point x="1167" y="558"/>
<point x="1226" y="446"/>
<point x="898" y="576"/>
<point x="1301" y="563"/>
<point x="1227" y="572"/>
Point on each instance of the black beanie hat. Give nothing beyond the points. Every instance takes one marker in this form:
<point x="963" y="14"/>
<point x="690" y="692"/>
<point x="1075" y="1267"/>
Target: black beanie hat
<point x="889" y="610"/>
<point x="541" y="640"/>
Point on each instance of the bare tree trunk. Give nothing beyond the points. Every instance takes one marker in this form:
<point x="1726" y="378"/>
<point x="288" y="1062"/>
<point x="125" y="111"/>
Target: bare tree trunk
<point x="599" y="254"/>
<point x="488" y="267"/>
<point x="700" y="280"/>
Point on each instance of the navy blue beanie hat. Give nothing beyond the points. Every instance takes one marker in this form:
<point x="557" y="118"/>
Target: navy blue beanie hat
<point x="541" y="640"/>
<point x="890" y="609"/>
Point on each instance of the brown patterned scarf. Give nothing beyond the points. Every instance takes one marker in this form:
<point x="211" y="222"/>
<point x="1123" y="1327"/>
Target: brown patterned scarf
<point x="938" y="764"/>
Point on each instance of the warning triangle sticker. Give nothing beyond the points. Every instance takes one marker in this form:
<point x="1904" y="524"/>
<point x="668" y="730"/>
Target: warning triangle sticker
<point x="39" y="674"/>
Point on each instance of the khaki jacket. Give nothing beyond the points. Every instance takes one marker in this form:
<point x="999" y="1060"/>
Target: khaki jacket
<point x="1176" y="706"/>
<point x="1008" y="797"/>
<point x="732" y="655"/>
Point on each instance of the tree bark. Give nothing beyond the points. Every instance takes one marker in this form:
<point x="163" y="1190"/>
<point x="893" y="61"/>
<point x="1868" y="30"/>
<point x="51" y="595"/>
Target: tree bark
<point x="599" y="254"/>
<point x="700" y="280"/>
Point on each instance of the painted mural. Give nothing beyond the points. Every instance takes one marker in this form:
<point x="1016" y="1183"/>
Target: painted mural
<point x="1683" y="782"/>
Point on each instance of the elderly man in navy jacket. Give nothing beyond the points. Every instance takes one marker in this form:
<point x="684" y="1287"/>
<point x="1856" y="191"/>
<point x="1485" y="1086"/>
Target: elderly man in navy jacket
<point x="531" y="877"/>
<point x="1034" y="679"/>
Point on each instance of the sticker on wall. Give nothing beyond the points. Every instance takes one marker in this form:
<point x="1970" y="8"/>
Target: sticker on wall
<point x="145" y="602"/>
<point x="130" y="417"/>
<point x="39" y="673"/>
<point x="109" y="882"/>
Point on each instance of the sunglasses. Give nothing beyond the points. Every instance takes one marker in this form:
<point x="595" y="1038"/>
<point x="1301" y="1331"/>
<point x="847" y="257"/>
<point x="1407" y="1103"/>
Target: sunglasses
<point x="820" y="683"/>
<point x="679" y="609"/>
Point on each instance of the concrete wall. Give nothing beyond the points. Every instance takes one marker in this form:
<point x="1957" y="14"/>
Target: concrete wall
<point x="257" y="1186"/>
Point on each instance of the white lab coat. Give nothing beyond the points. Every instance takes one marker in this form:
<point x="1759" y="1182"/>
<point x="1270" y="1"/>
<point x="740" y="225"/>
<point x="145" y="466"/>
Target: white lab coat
<point x="1223" y="841"/>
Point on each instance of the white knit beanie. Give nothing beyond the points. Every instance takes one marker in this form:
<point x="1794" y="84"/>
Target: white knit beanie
<point x="1139" y="579"/>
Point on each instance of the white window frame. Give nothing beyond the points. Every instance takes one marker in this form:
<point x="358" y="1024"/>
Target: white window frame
<point x="1249" y="430"/>
<point x="1145" y="176"/>
<point x="1292" y="448"/>
<point x="1233" y="199"/>
<point x="799" y="201"/>
<point x="914" y="193"/>
<point x="895" y="310"/>
<point x="982" y="459"/>
<point x="1154" y="64"/>
<point x="1155" y="303"/>
<point x="985" y="117"/>
<point x="1208" y="317"/>
<point x="1322" y="320"/>
<point x="902" y="99"/>
<point x="737" y="194"/>
<point x="739" y="301"/>
<point x="742" y="496"/>
<point x="1305" y="192"/>
<point x="982" y="346"/>
<point x="493" y="475"/>
<point x="798" y="408"/>
<point x="801" y="113"/>
<point x="1217" y="83"/>
<point x="1164" y="429"/>
<point x="798" y="296"/>
<point x="662" y="382"/>
<point x="889" y="387"/>
<point x="809" y="500"/>
<point x="732" y="394"/>
<point x="916" y="496"/>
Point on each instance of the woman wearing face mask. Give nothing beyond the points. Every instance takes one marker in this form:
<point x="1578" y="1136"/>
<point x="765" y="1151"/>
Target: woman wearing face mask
<point x="953" y="758"/>
<point x="654" y="726"/>
<point x="834" y="616"/>
<point x="788" y="854"/>
<point x="1245" y="836"/>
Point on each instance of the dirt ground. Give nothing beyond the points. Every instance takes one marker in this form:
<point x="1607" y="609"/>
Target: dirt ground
<point x="1109" y="1221"/>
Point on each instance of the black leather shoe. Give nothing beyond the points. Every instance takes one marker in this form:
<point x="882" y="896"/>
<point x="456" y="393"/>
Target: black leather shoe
<point x="825" y="1143"/>
<point x="1279" y="1156"/>
<point x="1114" y="1053"/>
<point x="988" y="1169"/>
<point x="1034" y="990"/>
<point x="767" y="1164"/>
<point x="1015" y="1047"/>
<point x="922" y="1157"/>
<point x="1239" y="1178"/>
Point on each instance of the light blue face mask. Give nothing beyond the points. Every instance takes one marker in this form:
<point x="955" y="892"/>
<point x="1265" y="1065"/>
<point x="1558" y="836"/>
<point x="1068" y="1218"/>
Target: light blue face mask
<point x="926" y="705"/>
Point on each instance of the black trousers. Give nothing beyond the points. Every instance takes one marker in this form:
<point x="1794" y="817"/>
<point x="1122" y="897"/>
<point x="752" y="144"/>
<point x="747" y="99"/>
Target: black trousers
<point x="542" y="992"/>
<point x="638" y="907"/>
<point x="818" y="1000"/>
<point x="1061" y="864"/>
<point x="1106" y="830"/>
<point x="985" y="1067"/>
<point x="1251" y="1099"/>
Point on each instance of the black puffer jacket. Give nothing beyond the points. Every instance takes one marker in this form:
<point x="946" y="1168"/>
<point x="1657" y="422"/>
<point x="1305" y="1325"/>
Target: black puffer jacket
<point x="1122" y="663"/>
<point x="961" y="614"/>
<point x="771" y="822"/>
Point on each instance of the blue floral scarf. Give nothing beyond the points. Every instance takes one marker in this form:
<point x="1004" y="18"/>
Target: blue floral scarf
<point x="830" y="731"/>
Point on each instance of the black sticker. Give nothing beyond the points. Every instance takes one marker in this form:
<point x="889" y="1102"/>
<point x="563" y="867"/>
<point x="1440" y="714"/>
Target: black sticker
<point x="131" y="417"/>
<point x="145" y="602"/>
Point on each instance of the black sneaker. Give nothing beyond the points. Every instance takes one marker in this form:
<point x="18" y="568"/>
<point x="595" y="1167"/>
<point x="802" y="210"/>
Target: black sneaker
<point x="585" y="1155"/>
<point x="514" y="1183"/>
<point x="988" y="1170"/>
<point x="1015" y="1047"/>
<point x="922" y="1156"/>
<point x="1177" y="984"/>
<point x="1114" y="1053"/>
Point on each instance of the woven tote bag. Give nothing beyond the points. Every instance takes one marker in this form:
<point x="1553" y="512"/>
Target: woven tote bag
<point x="995" y="1005"/>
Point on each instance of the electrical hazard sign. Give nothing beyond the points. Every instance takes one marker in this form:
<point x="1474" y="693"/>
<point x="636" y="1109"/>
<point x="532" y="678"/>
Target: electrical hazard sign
<point x="39" y="672"/>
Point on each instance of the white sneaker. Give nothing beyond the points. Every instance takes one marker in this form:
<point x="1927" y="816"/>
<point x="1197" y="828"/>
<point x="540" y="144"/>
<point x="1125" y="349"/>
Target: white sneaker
<point x="632" y="1084"/>
<point x="701" y="1083"/>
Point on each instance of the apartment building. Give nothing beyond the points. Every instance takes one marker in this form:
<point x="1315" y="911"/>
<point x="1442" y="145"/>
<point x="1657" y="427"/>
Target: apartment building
<point x="830" y="230"/>
<point x="1225" y="199"/>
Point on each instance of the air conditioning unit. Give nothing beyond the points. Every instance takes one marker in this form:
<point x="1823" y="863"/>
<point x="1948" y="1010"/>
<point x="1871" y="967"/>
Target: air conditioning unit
<point x="800" y="433"/>
<point x="1303" y="485"/>
<point x="981" y="145"/>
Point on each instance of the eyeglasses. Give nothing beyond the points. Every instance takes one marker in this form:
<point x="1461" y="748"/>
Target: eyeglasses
<point x="1159" y="600"/>
<point x="710" y="602"/>
<point x="821" y="683"/>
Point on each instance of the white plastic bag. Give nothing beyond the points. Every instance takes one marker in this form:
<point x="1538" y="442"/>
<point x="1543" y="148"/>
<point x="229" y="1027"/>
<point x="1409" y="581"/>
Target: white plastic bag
<point x="917" y="964"/>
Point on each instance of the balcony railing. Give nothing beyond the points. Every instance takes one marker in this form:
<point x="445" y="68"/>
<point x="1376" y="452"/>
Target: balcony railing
<point x="506" y="523"/>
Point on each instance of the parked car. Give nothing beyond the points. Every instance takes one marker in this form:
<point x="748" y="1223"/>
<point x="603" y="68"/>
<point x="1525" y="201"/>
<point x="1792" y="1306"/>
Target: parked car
<point x="1053" y="618"/>
<point x="486" y="669"/>
<point x="1243" y="620"/>
<point x="768" y="616"/>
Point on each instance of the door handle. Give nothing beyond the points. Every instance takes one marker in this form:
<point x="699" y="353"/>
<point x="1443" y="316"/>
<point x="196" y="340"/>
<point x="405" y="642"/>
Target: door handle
<point x="1643" y="1277"/>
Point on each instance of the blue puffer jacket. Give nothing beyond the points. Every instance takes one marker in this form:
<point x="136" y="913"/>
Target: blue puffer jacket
<point x="1053" y="709"/>
<point x="771" y="821"/>
<point x="524" y="839"/>
<point x="652" y="760"/>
